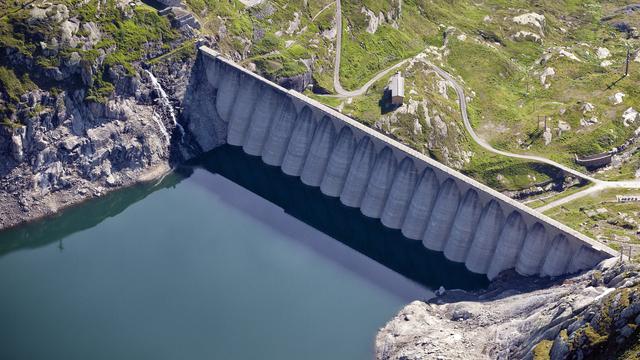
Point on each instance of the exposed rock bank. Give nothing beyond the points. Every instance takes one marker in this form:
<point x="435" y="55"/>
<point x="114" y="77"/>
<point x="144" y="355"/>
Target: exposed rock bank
<point x="69" y="149"/>
<point x="593" y="315"/>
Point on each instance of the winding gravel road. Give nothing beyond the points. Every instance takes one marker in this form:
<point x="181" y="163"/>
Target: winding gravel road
<point x="462" y="102"/>
<point x="599" y="184"/>
<point x="342" y="93"/>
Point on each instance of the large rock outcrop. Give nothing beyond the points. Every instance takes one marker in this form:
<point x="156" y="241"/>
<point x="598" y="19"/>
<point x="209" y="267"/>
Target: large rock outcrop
<point x="593" y="315"/>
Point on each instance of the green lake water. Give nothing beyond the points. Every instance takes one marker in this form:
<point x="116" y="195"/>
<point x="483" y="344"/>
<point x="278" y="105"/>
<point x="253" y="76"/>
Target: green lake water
<point x="226" y="258"/>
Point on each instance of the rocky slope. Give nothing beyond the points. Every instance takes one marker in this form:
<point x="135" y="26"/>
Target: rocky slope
<point x="591" y="316"/>
<point x="80" y="117"/>
<point x="67" y="150"/>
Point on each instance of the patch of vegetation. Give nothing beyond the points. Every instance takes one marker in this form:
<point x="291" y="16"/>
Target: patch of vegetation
<point x="602" y="217"/>
<point x="269" y="43"/>
<point x="567" y="192"/>
<point x="502" y="173"/>
<point x="129" y="34"/>
<point x="626" y="171"/>
<point x="100" y="91"/>
<point x="13" y="86"/>
<point x="365" y="54"/>
<point x="542" y="350"/>
<point x="276" y="66"/>
<point x="10" y="124"/>
<point x="182" y="53"/>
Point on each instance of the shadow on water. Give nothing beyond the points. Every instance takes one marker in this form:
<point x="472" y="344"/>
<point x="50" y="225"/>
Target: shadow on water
<point x="81" y="217"/>
<point x="345" y="224"/>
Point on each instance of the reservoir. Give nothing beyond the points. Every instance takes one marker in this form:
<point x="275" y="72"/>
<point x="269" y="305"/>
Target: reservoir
<point x="226" y="258"/>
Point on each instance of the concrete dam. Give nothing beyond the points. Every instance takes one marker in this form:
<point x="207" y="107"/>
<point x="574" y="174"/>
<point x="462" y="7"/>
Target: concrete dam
<point x="427" y="201"/>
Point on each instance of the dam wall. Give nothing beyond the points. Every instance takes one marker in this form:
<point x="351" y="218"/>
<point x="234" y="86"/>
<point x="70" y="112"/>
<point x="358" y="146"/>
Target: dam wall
<point x="427" y="201"/>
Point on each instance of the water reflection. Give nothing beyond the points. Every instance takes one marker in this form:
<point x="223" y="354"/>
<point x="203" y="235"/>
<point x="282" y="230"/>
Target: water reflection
<point x="345" y="224"/>
<point x="81" y="217"/>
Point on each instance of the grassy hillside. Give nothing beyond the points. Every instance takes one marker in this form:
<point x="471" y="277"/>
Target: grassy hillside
<point x="43" y="41"/>
<point x="499" y="49"/>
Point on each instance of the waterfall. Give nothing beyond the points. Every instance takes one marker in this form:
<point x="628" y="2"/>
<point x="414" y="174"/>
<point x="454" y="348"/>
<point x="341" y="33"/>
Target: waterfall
<point x="164" y="101"/>
<point x="163" y="129"/>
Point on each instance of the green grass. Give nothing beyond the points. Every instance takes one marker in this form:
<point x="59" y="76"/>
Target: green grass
<point x="626" y="171"/>
<point x="607" y="225"/>
<point x="503" y="174"/>
<point x="127" y="37"/>
<point x="574" y="189"/>
<point x="131" y="35"/>
<point x="366" y="54"/>
<point x="329" y="101"/>
<point x="182" y="53"/>
<point x="498" y="172"/>
<point x="542" y="350"/>
<point x="13" y="86"/>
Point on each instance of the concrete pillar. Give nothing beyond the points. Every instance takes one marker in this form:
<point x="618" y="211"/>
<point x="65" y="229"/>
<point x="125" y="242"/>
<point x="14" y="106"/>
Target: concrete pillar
<point x="400" y="195"/>
<point x="558" y="257"/>
<point x="533" y="251"/>
<point x="509" y="245"/>
<point x="359" y="173"/>
<point x="228" y="87"/>
<point x="279" y="133"/>
<point x="339" y="163"/>
<point x="300" y="143"/>
<point x="463" y="228"/>
<point x="419" y="210"/>
<point x="442" y="216"/>
<point x="485" y="238"/>
<point x="379" y="184"/>
<point x="266" y="109"/>
<point x="321" y="147"/>
<point x="585" y="258"/>
<point x="246" y="100"/>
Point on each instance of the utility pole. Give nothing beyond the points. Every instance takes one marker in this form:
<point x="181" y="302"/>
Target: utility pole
<point x="626" y="67"/>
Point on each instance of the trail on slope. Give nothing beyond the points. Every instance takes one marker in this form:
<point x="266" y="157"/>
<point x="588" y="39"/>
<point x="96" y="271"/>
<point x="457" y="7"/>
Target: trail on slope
<point x="342" y="93"/>
<point x="462" y="102"/>
<point x="599" y="184"/>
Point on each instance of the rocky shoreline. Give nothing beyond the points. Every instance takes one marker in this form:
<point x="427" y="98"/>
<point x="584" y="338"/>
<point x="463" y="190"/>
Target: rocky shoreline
<point x="67" y="150"/>
<point x="590" y="315"/>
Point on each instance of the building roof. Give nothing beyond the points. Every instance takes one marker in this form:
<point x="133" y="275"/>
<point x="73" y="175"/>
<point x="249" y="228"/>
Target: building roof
<point x="397" y="85"/>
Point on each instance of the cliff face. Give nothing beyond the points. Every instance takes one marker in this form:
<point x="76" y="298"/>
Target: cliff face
<point x="200" y="114"/>
<point x="91" y="96"/>
<point x="67" y="149"/>
<point x="591" y="316"/>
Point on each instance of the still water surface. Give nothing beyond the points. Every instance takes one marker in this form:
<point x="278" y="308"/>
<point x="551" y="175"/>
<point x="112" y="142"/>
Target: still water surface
<point x="202" y="265"/>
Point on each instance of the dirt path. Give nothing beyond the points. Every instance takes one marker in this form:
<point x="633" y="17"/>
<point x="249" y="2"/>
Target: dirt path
<point x="599" y="184"/>
<point x="462" y="102"/>
<point x="342" y="93"/>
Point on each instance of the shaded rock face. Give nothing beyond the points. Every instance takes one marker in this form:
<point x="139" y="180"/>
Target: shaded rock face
<point x="80" y="147"/>
<point x="298" y="82"/>
<point x="200" y="113"/>
<point x="593" y="315"/>
<point x="68" y="148"/>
